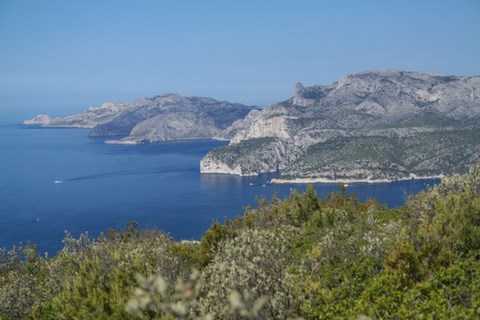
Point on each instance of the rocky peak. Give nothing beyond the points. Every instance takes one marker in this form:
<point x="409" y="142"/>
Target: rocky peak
<point x="298" y="89"/>
<point x="298" y="96"/>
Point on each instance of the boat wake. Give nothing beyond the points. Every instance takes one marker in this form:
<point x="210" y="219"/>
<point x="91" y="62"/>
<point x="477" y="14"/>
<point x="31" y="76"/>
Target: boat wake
<point x="111" y="174"/>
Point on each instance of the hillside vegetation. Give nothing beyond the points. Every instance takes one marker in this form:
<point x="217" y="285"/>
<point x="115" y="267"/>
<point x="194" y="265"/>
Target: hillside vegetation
<point x="301" y="257"/>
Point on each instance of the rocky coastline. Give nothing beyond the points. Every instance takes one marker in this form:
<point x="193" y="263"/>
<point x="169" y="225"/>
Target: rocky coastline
<point x="412" y="176"/>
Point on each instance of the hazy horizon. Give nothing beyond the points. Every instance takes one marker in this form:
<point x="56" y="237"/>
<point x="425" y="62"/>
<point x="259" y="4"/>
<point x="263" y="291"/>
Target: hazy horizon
<point x="68" y="56"/>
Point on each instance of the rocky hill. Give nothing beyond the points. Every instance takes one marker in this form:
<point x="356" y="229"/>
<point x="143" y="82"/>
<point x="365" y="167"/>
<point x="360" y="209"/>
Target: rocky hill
<point x="160" y="118"/>
<point x="371" y="126"/>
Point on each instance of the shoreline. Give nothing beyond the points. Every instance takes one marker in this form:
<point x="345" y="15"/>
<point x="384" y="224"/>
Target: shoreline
<point x="127" y="141"/>
<point x="122" y="142"/>
<point x="412" y="176"/>
<point x="54" y="126"/>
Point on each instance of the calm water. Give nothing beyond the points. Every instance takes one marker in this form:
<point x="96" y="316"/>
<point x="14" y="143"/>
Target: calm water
<point x="104" y="186"/>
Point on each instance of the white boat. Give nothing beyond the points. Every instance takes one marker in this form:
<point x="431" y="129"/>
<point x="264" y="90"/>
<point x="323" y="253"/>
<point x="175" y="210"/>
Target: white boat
<point x="58" y="181"/>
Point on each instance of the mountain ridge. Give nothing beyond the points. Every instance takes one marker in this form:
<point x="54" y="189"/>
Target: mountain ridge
<point x="171" y="116"/>
<point x="400" y="107"/>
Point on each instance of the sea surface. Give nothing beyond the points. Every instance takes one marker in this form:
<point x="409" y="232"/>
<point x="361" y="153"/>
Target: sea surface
<point x="52" y="180"/>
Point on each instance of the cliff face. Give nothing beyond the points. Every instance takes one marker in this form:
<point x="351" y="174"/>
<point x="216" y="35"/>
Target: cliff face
<point x="372" y="125"/>
<point x="160" y="118"/>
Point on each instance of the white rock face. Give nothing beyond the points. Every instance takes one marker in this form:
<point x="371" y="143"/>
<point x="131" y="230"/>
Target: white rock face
<point x="237" y="126"/>
<point x="211" y="166"/>
<point x="253" y="157"/>
<point x="299" y="98"/>
<point x="263" y="127"/>
<point x="41" y="119"/>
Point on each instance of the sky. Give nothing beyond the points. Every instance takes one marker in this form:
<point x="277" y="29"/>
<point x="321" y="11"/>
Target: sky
<point x="70" y="55"/>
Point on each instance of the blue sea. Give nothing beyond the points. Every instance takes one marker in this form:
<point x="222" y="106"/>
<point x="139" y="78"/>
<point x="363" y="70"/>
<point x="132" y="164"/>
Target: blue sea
<point x="52" y="180"/>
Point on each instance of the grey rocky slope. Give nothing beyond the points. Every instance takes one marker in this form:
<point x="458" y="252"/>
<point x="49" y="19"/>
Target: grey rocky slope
<point x="166" y="117"/>
<point x="379" y="125"/>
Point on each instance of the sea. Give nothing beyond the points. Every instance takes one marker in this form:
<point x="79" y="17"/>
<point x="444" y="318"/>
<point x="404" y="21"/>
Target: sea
<point x="54" y="180"/>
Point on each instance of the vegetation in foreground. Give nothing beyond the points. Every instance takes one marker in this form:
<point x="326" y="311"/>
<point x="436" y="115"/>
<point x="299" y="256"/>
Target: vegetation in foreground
<point x="302" y="257"/>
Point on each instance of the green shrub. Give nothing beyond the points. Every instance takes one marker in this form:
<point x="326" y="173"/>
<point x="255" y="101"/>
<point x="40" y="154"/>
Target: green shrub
<point x="24" y="279"/>
<point x="254" y="265"/>
<point x="104" y="276"/>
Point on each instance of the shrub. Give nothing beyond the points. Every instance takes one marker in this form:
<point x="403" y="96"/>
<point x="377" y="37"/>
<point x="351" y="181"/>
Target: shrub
<point x="252" y="267"/>
<point x="24" y="278"/>
<point x="104" y="276"/>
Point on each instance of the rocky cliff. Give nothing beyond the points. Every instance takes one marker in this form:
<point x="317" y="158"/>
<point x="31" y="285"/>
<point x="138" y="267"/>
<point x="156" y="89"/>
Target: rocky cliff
<point x="160" y="118"/>
<point x="371" y="126"/>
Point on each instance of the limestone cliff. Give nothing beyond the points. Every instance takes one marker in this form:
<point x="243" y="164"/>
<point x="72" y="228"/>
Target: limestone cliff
<point x="373" y="125"/>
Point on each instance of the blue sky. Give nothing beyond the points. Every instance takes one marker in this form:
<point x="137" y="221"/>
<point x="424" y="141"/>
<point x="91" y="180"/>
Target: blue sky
<point x="74" y="54"/>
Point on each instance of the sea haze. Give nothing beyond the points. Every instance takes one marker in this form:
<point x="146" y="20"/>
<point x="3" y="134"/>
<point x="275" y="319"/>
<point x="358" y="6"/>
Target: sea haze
<point x="53" y="180"/>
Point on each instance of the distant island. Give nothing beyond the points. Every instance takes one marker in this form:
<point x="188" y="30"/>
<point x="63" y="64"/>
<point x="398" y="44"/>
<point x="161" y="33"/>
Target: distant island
<point x="160" y="118"/>
<point x="375" y="126"/>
